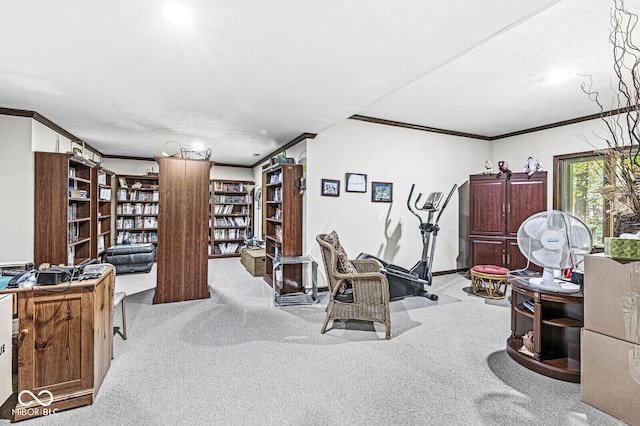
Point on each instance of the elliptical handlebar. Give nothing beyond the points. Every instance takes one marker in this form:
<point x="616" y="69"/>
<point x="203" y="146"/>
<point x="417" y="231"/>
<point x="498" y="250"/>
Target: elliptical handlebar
<point x="441" y="210"/>
<point x="413" y="185"/>
<point x="455" y="186"/>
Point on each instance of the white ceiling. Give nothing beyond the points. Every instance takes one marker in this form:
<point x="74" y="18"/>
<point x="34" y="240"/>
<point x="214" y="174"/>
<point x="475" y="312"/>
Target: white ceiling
<point x="249" y="76"/>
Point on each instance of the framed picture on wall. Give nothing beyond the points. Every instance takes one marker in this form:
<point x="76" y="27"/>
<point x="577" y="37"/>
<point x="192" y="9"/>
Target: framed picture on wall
<point x="356" y="182"/>
<point x="330" y="188"/>
<point x="381" y="192"/>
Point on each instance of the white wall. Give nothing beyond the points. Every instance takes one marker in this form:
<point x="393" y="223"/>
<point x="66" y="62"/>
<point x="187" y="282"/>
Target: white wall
<point x="231" y="173"/>
<point x="434" y="162"/>
<point x="16" y="189"/>
<point x="547" y="143"/>
<point x="47" y="140"/>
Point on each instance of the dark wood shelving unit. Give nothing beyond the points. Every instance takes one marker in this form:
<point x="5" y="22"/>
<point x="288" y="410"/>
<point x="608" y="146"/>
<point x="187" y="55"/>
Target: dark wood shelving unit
<point x="231" y="217"/>
<point x="103" y="184"/>
<point x="282" y="224"/>
<point x="137" y="209"/>
<point x="65" y="209"/>
<point x="556" y="323"/>
<point x="497" y="207"/>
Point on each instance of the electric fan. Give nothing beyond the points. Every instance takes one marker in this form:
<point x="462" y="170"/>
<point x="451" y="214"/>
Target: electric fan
<point x="554" y="240"/>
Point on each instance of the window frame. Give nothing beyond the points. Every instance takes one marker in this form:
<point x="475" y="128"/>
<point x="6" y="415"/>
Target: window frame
<point x="609" y="175"/>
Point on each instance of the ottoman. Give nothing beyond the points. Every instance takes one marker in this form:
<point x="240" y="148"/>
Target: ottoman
<point x="489" y="281"/>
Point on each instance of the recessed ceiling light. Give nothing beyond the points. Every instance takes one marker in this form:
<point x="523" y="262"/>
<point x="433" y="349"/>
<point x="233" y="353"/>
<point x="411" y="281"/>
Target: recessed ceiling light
<point x="177" y="13"/>
<point x="559" y="75"/>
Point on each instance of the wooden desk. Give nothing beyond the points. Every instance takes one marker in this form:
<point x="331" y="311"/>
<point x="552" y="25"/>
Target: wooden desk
<point x="65" y="344"/>
<point x="556" y="322"/>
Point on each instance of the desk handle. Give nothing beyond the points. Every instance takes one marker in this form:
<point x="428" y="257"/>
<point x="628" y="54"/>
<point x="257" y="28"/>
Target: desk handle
<point x="24" y="331"/>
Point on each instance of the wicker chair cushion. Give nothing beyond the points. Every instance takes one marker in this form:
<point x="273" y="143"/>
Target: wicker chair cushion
<point x="344" y="264"/>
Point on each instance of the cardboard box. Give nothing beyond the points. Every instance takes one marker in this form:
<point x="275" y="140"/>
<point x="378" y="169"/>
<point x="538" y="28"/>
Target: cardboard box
<point x="622" y="248"/>
<point x="6" y="358"/>
<point x="612" y="297"/>
<point x="254" y="261"/>
<point x="610" y="376"/>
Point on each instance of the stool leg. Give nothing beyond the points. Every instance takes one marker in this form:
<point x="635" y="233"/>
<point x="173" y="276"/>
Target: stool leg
<point x="124" y="320"/>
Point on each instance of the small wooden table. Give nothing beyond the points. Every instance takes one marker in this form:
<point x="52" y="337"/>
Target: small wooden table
<point x="556" y="321"/>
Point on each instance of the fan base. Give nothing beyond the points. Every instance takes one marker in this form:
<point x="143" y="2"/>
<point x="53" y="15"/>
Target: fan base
<point x="557" y="286"/>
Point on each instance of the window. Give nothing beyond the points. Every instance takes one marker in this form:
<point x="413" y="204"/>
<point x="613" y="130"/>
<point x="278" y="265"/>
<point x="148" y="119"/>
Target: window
<point x="578" y="180"/>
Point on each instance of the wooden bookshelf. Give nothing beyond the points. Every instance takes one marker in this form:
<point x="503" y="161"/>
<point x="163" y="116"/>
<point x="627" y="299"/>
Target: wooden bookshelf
<point x="137" y="209"/>
<point x="103" y="236"/>
<point x="64" y="218"/>
<point x="231" y="217"/>
<point x="282" y="224"/>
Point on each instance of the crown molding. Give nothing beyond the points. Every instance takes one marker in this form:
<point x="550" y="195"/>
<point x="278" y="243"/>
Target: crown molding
<point x="492" y="138"/>
<point x="50" y="124"/>
<point x="286" y="146"/>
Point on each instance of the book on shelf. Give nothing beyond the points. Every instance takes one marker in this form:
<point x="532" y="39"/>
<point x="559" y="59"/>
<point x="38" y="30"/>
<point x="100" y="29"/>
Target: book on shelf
<point x="132" y="237"/>
<point x="229" y="187"/>
<point x="529" y="305"/>
<point x="104" y="194"/>
<point x="226" y="248"/>
<point x="276" y="178"/>
<point x="102" y="178"/>
<point x="230" y="221"/>
<point x="236" y="199"/>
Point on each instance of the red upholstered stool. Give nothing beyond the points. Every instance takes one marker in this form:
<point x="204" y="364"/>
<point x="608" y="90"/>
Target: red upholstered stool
<point x="489" y="281"/>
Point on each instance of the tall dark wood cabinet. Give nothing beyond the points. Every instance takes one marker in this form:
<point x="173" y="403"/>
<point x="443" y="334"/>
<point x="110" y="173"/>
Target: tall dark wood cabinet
<point x="183" y="227"/>
<point x="282" y="224"/>
<point x="64" y="209"/>
<point x="497" y="207"/>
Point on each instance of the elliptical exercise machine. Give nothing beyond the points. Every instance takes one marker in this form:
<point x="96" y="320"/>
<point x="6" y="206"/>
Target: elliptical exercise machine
<point x="410" y="282"/>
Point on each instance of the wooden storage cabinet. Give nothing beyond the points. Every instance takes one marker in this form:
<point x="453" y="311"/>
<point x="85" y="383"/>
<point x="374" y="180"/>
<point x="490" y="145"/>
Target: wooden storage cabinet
<point x="65" y="343"/>
<point x="231" y="217"/>
<point x="137" y="209"/>
<point x="282" y="224"/>
<point x="497" y="208"/>
<point x="64" y="209"/>
<point x="556" y="323"/>
<point x="183" y="219"/>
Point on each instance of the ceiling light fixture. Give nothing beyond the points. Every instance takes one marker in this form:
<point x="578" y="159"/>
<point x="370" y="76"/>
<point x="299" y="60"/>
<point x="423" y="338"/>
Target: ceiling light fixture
<point x="177" y="14"/>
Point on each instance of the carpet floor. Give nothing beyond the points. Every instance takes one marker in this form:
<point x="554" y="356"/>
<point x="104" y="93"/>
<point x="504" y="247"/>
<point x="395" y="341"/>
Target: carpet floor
<point x="237" y="359"/>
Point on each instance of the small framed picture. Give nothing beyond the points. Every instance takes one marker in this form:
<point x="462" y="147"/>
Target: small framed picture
<point x="381" y="192"/>
<point x="122" y="181"/>
<point x="356" y="182"/>
<point x="330" y="188"/>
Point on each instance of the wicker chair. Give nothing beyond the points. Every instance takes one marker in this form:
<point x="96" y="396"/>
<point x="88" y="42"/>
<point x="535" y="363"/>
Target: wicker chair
<point x="370" y="289"/>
